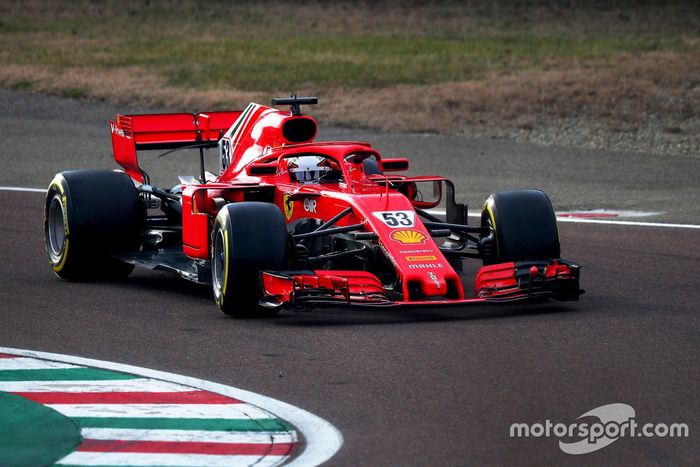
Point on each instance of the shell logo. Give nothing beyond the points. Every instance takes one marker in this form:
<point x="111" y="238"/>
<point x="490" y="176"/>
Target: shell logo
<point x="408" y="237"/>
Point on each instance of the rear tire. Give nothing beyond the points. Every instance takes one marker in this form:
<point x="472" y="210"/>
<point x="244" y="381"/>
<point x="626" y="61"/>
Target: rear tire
<point x="522" y="225"/>
<point x="248" y="237"/>
<point x="90" y="215"/>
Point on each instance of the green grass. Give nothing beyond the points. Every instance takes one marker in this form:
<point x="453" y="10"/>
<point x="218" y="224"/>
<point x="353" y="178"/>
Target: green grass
<point x="75" y="93"/>
<point x="280" y="47"/>
<point x="21" y="85"/>
<point x="274" y="64"/>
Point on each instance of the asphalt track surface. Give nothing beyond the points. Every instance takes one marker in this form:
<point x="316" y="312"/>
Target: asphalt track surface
<point x="419" y="387"/>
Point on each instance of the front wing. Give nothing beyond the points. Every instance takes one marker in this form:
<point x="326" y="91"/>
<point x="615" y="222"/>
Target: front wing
<point x="498" y="283"/>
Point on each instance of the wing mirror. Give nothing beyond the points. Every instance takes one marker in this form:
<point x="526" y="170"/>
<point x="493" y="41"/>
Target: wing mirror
<point x="394" y="165"/>
<point x="421" y="194"/>
<point x="261" y="169"/>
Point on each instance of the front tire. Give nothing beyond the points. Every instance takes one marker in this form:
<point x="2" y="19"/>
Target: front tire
<point x="522" y="226"/>
<point x="90" y="215"/>
<point x="248" y="237"/>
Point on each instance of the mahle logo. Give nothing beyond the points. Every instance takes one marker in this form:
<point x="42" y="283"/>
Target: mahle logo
<point x="615" y="421"/>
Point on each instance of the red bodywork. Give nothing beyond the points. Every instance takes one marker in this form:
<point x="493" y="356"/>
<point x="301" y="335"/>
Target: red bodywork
<point x="254" y="147"/>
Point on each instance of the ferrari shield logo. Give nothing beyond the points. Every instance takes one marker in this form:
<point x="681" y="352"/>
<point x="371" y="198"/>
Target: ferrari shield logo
<point x="435" y="279"/>
<point x="288" y="205"/>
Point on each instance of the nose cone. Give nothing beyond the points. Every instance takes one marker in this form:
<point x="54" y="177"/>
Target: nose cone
<point x="419" y="263"/>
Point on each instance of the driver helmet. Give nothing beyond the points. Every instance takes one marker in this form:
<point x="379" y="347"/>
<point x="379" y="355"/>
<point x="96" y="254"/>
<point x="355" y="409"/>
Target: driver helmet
<point x="308" y="169"/>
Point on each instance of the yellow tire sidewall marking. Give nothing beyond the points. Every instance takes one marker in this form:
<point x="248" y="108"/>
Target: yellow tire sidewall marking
<point x="222" y="220"/>
<point x="64" y="207"/>
<point x="226" y="264"/>
<point x="488" y="207"/>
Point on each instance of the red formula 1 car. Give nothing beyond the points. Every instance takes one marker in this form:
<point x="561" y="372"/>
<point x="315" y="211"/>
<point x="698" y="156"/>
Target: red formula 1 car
<point x="289" y="222"/>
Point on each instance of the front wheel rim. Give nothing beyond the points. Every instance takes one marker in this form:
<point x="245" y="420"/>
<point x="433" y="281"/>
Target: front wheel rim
<point x="56" y="228"/>
<point x="218" y="261"/>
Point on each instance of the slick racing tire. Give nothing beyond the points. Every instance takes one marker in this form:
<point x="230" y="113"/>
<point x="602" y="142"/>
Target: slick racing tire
<point x="522" y="227"/>
<point x="248" y="237"/>
<point x="90" y="215"/>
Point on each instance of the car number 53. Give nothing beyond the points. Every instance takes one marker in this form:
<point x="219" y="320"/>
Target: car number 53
<point x="396" y="219"/>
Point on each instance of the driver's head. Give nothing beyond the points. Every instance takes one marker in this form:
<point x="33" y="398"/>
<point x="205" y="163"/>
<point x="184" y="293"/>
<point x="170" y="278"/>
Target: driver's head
<point x="308" y="169"/>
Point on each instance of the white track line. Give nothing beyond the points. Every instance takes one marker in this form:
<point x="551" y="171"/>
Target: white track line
<point x="225" y="411"/>
<point x="126" y="385"/>
<point x="322" y="440"/>
<point x="192" y="436"/>
<point x="31" y="364"/>
<point x="17" y="188"/>
<point x="634" y="223"/>
<point x="440" y="212"/>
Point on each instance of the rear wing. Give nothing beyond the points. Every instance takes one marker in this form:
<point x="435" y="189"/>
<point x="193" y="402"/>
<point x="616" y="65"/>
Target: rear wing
<point x="132" y="133"/>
